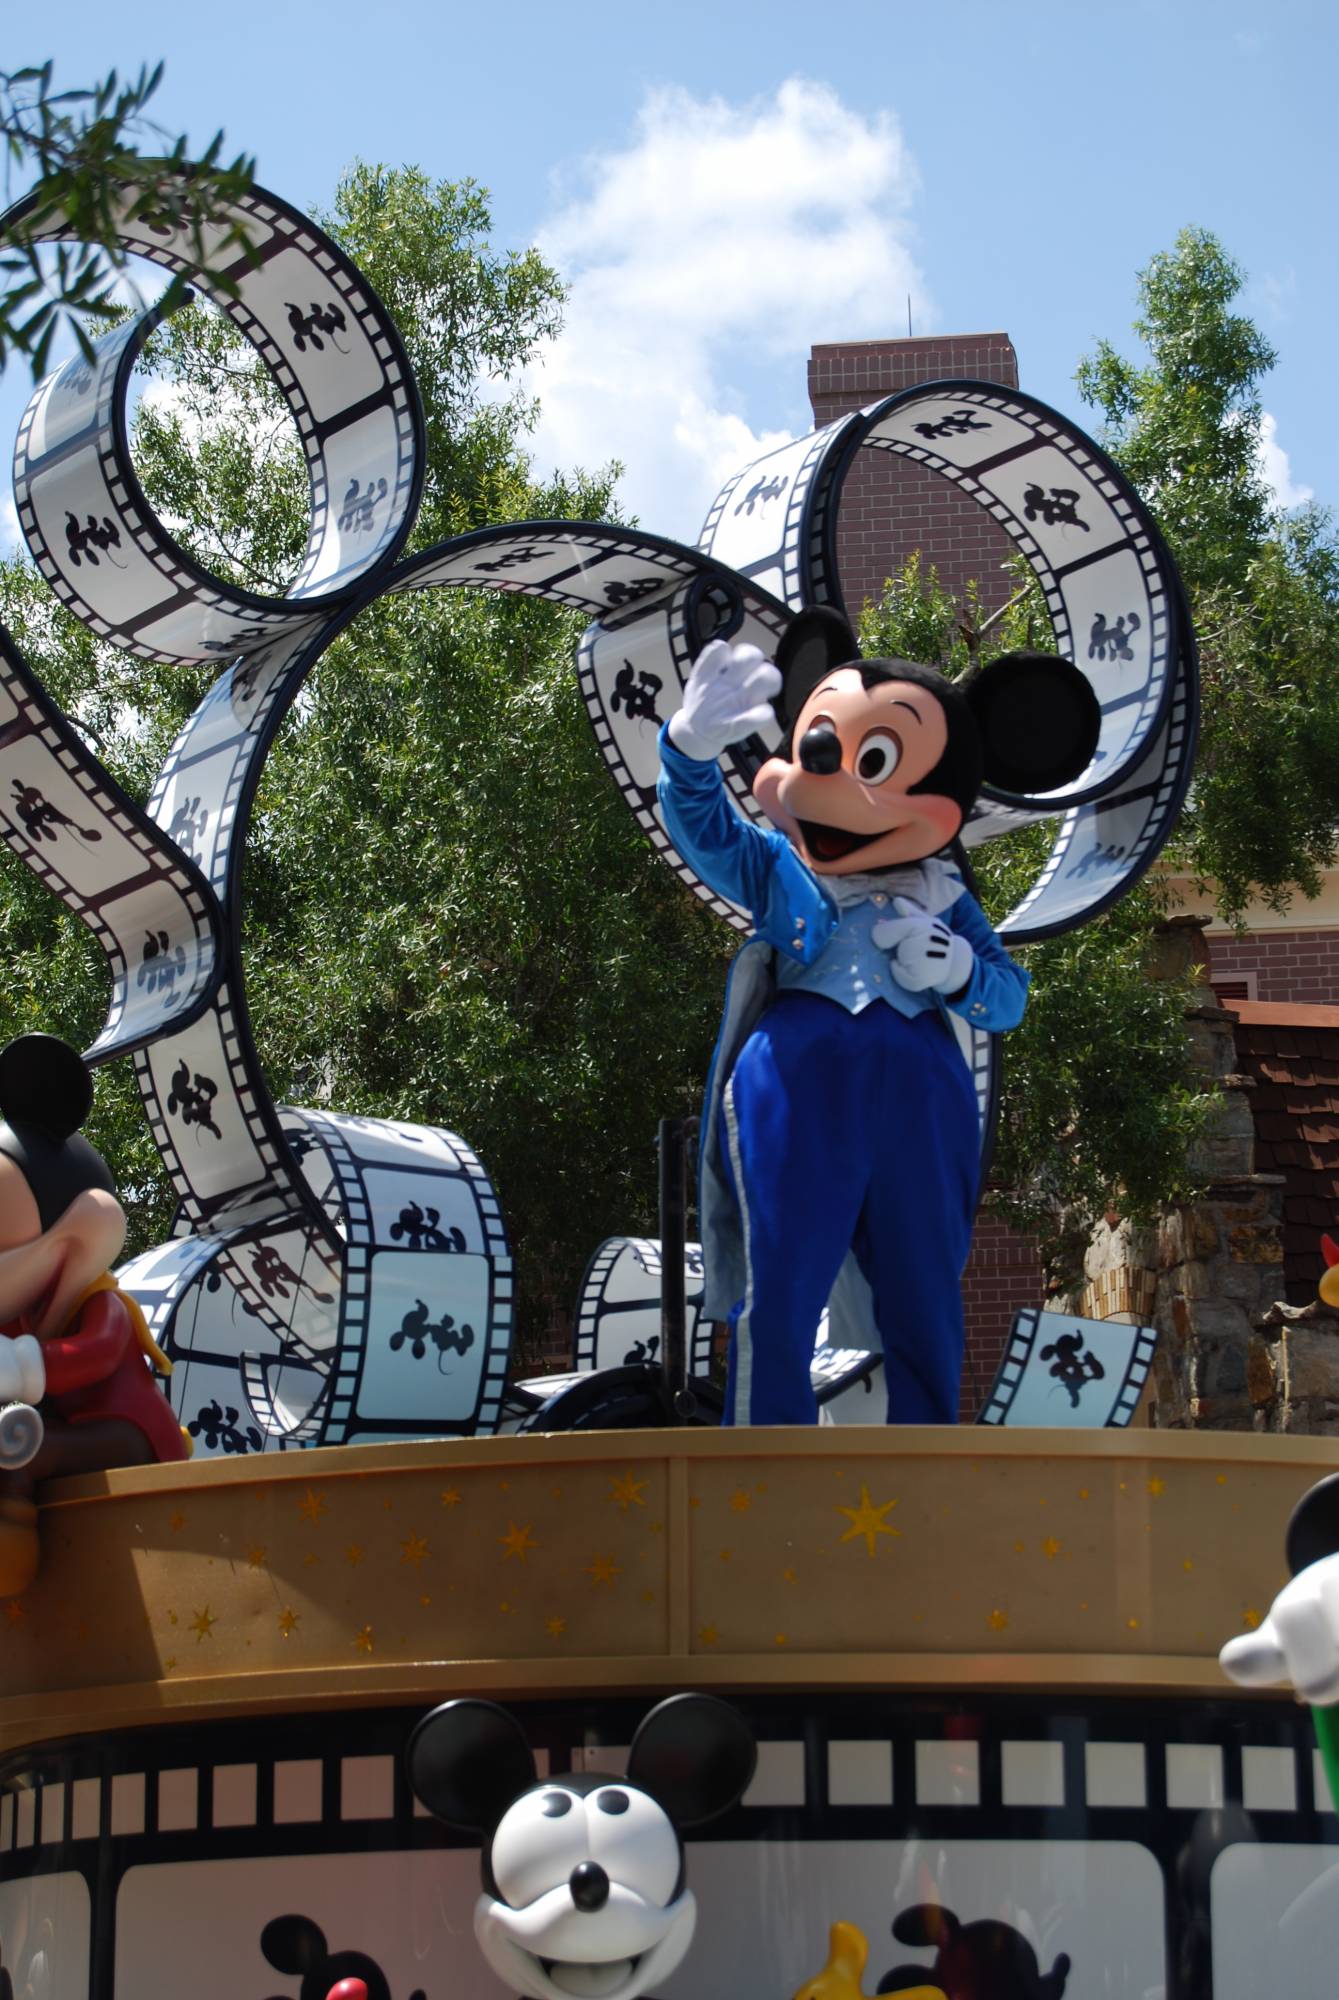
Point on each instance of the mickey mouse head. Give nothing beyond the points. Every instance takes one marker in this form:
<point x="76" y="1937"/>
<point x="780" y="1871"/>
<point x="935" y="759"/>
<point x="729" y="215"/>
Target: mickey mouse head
<point x="584" y="1890"/>
<point x="297" y="1946"/>
<point x="982" y="1961"/>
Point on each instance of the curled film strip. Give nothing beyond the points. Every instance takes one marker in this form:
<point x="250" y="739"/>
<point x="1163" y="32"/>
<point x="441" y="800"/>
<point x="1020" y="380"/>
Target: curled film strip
<point x="308" y="1230"/>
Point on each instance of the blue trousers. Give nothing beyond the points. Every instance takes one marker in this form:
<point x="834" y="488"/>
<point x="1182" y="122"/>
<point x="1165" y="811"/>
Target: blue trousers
<point x="850" y="1131"/>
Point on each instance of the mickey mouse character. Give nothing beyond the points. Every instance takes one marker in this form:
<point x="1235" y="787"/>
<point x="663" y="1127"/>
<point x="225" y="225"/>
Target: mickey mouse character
<point x="584" y="1890"/>
<point x="297" y="1946"/>
<point x="982" y="1961"/>
<point x="841" y="1146"/>
<point x="69" y="1339"/>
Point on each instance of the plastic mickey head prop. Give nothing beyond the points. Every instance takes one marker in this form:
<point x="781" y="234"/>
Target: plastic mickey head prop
<point x="1298" y="1642"/>
<point x="296" y="1946"/>
<point x="584" y="1891"/>
<point x="883" y="759"/>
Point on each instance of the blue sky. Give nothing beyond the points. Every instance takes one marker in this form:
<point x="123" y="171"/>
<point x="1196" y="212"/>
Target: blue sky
<point x="725" y="184"/>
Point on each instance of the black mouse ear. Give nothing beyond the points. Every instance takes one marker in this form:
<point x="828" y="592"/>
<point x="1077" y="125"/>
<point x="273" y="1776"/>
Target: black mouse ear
<point x="1052" y="1987"/>
<point x="812" y="644"/>
<point x="1313" y="1531"/>
<point x="1039" y="720"/>
<point x="467" y="1761"/>
<point x="694" y="1755"/>
<point x="293" y="1944"/>
<point x="44" y="1082"/>
<point x="926" y="1923"/>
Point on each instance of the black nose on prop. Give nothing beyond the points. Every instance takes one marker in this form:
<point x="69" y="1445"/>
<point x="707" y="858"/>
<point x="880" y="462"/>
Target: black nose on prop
<point x="589" y="1886"/>
<point x="821" y="751"/>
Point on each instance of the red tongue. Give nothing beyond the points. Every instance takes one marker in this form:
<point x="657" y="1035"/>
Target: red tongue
<point x="348" y="1989"/>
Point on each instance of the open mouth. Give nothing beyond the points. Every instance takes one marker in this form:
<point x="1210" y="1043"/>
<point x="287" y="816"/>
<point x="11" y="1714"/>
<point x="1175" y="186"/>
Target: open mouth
<point x="590" y="1981"/>
<point x="833" y="843"/>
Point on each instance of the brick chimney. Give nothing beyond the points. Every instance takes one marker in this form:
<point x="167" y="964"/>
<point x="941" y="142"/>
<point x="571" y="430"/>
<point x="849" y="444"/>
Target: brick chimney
<point x="890" y="506"/>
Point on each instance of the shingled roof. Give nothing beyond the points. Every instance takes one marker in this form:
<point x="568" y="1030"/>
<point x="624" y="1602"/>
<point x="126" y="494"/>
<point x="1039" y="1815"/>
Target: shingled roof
<point x="1291" y="1053"/>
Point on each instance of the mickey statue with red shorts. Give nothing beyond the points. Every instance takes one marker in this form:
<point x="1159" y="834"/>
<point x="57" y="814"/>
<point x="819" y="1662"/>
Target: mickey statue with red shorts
<point x="70" y="1341"/>
<point x="841" y="1145"/>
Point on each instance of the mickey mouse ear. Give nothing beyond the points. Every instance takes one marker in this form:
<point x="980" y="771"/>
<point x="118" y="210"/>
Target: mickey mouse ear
<point x="46" y="1083"/>
<point x="695" y="1755"/>
<point x="1313" y="1531"/>
<point x="812" y="644"/>
<point x="1039" y="721"/>
<point x="467" y="1761"/>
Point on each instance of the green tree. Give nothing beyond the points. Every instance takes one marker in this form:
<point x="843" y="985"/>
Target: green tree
<point x="1185" y="425"/>
<point x="450" y="914"/>
<point x="77" y="154"/>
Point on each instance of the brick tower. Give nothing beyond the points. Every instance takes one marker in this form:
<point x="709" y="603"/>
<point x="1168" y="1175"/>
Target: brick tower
<point x="890" y="506"/>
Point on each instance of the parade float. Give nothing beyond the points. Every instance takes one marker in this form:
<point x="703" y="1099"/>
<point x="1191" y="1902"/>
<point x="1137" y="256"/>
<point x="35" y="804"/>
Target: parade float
<point x="979" y="1744"/>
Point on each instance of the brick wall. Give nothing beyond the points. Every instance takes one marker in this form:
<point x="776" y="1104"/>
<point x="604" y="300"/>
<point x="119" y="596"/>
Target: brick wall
<point x="1003" y="1274"/>
<point x="889" y="506"/>
<point x="1288" y="965"/>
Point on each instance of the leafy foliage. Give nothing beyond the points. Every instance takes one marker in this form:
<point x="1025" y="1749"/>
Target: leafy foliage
<point x="1186" y="426"/>
<point x="75" y="152"/>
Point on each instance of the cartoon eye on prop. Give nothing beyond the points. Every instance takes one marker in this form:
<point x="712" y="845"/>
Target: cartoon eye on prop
<point x="305" y="1244"/>
<point x="878" y="757"/>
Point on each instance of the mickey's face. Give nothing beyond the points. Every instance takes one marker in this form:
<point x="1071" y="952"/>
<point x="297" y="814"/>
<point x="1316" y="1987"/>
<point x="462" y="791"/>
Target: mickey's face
<point x="589" y="1900"/>
<point x="846" y="801"/>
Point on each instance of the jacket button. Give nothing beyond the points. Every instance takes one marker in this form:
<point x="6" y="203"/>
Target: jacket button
<point x="797" y="944"/>
<point x="878" y="899"/>
<point x="799" y="923"/>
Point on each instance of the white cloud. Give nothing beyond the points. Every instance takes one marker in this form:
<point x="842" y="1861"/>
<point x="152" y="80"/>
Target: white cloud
<point x="1275" y="469"/>
<point x="11" y="535"/>
<point x="704" y="260"/>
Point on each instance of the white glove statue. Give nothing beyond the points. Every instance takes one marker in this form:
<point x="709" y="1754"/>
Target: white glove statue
<point x="926" y="954"/>
<point x="22" y="1370"/>
<point x="728" y="697"/>
<point x="1299" y="1640"/>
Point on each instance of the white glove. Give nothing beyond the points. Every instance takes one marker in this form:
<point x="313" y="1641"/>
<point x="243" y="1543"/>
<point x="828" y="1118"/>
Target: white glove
<point x="1298" y="1642"/>
<point x="925" y="952"/>
<point x="728" y="697"/>
<point x="20" y="1365"/>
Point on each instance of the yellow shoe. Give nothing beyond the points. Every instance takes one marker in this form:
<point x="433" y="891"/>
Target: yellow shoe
<point x="20" y="1549"/>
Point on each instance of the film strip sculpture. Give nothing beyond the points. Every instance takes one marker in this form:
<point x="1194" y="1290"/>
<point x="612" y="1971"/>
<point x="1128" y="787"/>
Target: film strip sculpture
<point x="160" y="887"/>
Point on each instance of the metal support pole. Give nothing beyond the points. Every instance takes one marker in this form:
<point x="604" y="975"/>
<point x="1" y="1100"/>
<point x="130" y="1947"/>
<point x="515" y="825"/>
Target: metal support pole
<point x="673" y="1311"/>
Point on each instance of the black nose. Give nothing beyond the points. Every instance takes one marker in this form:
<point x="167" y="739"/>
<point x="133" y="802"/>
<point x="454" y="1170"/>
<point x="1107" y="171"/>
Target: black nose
<point x="821" y="751"/>
<point x="589" y="1885"/>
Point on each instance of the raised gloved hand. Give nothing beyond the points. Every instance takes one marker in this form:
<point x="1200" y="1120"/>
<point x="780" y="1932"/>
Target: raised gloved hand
<point x="728" y="697"/>
<point x="925" y="953"/>
<point x="22" y="1370"/>
<point x="1299" y="1640"/>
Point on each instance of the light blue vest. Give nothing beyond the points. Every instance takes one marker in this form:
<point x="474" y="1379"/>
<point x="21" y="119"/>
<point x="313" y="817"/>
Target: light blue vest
<point x="853" y="970"/>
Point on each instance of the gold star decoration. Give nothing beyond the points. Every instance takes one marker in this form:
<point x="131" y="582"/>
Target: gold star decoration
<point x="177" y="1522"/>
<point x="789" y="1576"/>
<point x="450" y="1497"/>
<point x="1220" y="1479"/>
<point x="1157" y="1487"/>
<point x="1083" y="1492"/>
<point x="1187" y="1565"/>
<point x="627" y="1492"/>
<point x="517" y="1542"/>
<point x="740" y="1501"/>
<point x="311" y="1506"/>
<point x="998" y="1620"/>
<point x="310" y="1560"/>
<point x="1250" y="1618"/>
<point x="354" y="1554"/>
<point x="780" y="1639"/>
<point x="289" y="1620"/>
<point x="203" y="1625"/>
<point x="169" y="1663"/>
<point x="363" y="1640"/>
<point x="603" y="1570"/>
<point x="1050" y="1548"/>
<point x="648" y="1597"/>
<point x="726" y="1555"/>
<point x="867" y="1520"/>
<point x="708" y="1635"/>
<point x="1133" y="1624"/>
<point x="425" y="1600"/>
<point x="695" y="1500"/>
<point x="255" y="1556"/>
<point x="1020" y="1548"/>
<point x="555" y="1627"/>
<point x="414" y="1550"/>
